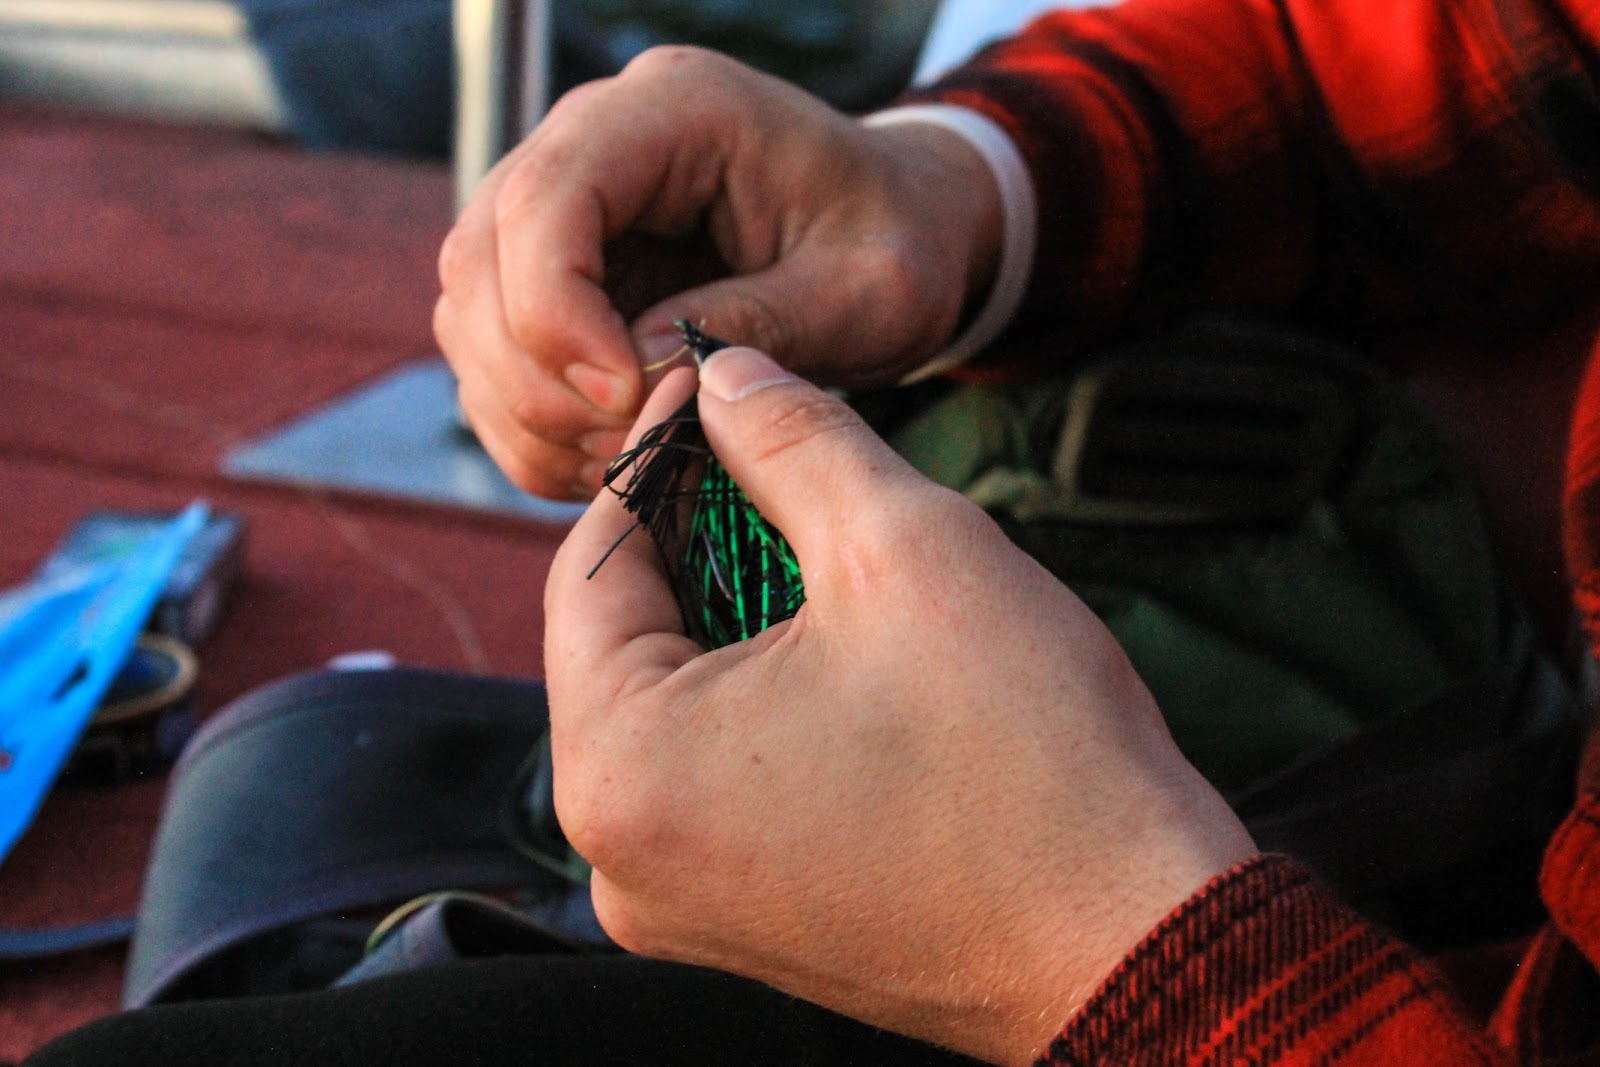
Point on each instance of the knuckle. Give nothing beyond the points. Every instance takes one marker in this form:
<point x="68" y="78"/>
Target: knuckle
<point x="891" y="527"/>
<point x="566" y="135"/>
<point x="895" y="274"/>
<point x="963" y="526"/>
<point x="444" y="319"/>
<point x="457" y="262"/>
<point x="674" y="61"/>
<point x="573" y="103"/>
<point x="608" y="826"/>
<point x="519" y="191"/>
<point x="582" y="820"/>
<point x="621" y="922"/>
<point x="529" y="409"/>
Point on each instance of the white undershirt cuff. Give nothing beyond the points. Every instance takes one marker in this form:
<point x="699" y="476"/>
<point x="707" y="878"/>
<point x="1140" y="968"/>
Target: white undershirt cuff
<point x="1019" y="214"/>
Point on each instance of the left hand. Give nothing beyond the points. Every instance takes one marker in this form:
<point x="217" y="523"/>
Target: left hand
<point x="938" y="800"/>
<point x="691" y="186"/>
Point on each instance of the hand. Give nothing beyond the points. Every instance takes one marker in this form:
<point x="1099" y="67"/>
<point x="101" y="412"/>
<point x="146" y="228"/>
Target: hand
<point x="692" y="187"/>
<point x="938" y="799"/>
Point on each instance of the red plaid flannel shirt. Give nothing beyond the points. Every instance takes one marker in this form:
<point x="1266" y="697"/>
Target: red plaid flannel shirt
<point x="1359" y="164"/>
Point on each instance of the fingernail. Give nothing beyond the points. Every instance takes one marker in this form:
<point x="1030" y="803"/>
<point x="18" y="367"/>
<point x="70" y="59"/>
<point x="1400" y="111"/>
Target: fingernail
<point x="606" y="391"/>
<point x="735" y="373"/>
<point x="592" y="474"/>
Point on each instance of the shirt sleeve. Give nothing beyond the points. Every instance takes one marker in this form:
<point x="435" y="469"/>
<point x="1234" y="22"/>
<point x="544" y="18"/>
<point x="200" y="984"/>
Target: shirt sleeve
<point x="1353" y="164"/>
<point x="1264" y="966"/>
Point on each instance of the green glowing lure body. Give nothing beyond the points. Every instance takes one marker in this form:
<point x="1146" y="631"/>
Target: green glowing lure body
<point x="732" y="571"/>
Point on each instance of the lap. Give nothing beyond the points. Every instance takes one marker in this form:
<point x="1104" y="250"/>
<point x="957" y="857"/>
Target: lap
<point x="525" y="1009"/>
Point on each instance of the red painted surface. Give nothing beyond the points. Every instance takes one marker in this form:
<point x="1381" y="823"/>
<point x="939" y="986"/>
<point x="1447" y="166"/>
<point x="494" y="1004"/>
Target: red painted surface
<point x="168" y="292"/>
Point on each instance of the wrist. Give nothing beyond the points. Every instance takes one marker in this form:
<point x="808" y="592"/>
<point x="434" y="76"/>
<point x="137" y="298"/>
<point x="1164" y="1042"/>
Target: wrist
<point x="991" y="170"/>
<point x="1177" y="842"/>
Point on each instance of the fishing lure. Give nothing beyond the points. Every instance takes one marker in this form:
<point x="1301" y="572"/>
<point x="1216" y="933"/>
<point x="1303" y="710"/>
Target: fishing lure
<point x="732" y="571"/>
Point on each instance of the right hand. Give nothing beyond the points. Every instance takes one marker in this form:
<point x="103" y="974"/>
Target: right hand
<point x="938" y="799"/>
<point x="847" y="252"/>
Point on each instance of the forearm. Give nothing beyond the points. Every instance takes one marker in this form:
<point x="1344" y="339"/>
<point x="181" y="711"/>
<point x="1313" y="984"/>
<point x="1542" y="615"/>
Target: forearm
<point x="1365" y="162"/>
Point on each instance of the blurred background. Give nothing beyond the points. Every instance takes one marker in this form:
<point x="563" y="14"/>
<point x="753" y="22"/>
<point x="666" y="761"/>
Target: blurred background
<point x="426" y="81"/>
<point x="381" y="75"/>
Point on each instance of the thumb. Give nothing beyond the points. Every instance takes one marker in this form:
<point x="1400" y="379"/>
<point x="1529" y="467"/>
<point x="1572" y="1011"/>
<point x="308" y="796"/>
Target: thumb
<point x="805" y="459"/>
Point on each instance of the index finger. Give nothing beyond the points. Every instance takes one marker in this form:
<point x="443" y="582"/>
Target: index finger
<point x="617" y="626"/>
<point x="608" y="159"/>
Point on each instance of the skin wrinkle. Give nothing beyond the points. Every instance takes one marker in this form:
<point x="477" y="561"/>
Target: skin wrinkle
<point x="749" y="249"/>
<point x="654" y="671"/>
<point x="590" y="264"/>
<point x="690" y="178"/>
<point x="802" y="427"/>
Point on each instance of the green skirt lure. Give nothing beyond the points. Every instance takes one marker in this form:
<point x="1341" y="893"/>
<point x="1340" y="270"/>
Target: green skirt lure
<point x="732" y="571"/>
